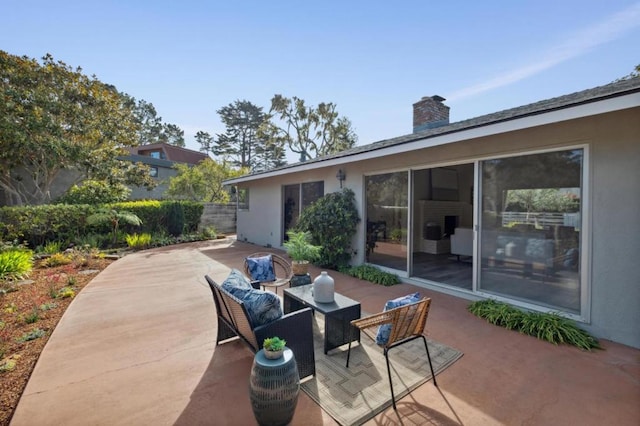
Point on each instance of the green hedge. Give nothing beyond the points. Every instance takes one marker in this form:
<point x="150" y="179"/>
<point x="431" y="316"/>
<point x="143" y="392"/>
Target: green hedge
<point x="38" y="225"/>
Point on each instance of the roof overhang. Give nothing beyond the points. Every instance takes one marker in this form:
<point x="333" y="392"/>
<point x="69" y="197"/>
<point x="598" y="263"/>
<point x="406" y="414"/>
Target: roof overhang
<point x="536" y="119"/>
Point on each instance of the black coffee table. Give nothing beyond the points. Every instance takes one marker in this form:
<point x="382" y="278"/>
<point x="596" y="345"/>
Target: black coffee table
<point x="337" y="315"/>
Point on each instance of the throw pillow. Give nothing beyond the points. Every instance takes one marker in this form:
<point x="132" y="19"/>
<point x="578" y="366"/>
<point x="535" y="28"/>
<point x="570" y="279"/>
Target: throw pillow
<point x="263" y="306"/>
<point x="236" y="281"/>
<point x="384" y="331"/>
<point x="261" y="268"/>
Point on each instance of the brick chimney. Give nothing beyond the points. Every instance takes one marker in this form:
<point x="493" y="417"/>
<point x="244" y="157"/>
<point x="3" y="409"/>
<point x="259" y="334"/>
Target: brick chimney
<point x="430" y="112"/>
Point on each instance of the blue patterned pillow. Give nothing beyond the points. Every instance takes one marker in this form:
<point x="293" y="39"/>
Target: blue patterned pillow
<point x="384" y="331"/>
<point x="263" y="306"/>
<point x="236" y="281"/>
<point x="261" y="268"/>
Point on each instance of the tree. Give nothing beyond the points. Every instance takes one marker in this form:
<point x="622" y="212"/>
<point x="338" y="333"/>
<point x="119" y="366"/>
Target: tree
<point x="95" y="192"/>
<point x="242" y="120"/>
<point x="54" y="118"/>
<point x="635" y="73"/>
<point x="151" y="129"/>
<point x="172" y="134"/>
<point x="206" y="142"/>
<point x="269" y="156"/>
<point x="202" y="182"/>
<point x="307" y="131"/>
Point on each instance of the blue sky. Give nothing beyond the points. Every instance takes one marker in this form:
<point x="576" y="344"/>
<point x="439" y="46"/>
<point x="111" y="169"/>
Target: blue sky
<point x="374" y="59"/>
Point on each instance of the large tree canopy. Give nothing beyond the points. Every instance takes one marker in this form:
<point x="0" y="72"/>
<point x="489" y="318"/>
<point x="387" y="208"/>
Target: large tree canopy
<point x="151" y="129"/>
<point x="307" y="131"/>
<point x="55" y="118"/>
<point x="202" y="182"/>
<point x="240" y="144"/>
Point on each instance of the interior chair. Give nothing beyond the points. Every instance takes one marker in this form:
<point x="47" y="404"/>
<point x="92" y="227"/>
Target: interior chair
<point x="407" y="324"/>
<point x="282" y="271"/>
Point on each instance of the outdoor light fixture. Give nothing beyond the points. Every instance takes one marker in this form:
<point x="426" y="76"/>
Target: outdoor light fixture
<point x="341" y="176"/>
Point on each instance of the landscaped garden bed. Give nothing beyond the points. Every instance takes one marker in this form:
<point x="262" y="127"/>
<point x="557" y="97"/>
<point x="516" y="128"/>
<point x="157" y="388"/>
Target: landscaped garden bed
<point x="30" y="311"/>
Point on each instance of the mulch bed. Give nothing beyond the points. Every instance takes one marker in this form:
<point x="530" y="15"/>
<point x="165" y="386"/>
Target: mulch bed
<point x="30" y="305"/>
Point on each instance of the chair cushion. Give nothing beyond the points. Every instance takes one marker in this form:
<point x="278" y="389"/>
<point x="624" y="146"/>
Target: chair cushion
<point x="263" y="307"/>
<point x="236" y="280"/>
<point x="384" y="331"/>
<point x="261" y="268"/>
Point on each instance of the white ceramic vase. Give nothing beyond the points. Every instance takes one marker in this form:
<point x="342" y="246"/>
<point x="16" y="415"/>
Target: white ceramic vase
<point x="323" y="288"/>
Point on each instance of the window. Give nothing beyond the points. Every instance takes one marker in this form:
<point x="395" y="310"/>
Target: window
<point x="530" y="234"/>
<point x="153" y="171"/>
<point x="154" y="154"/>
<point x="297" y="197"/>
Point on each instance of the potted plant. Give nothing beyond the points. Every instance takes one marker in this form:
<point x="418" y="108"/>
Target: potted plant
<point x="301" y="251"/>
<point x="273" y="347"/>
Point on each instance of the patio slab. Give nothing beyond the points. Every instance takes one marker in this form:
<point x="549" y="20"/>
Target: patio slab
<point x="137" y="346"/>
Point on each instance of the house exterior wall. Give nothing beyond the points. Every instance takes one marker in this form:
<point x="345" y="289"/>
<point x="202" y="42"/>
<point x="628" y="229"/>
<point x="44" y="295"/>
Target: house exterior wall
<point x="157" y="193"/>
<point x="612" y="141"/>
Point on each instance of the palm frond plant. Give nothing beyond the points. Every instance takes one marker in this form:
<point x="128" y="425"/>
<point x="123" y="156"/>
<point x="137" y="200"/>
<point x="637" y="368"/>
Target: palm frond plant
<point x="301" y="250"/>
<point x="113" y="218"/>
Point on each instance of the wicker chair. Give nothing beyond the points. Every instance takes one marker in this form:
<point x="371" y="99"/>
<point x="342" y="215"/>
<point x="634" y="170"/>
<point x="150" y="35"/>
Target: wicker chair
<point x="407" y="323"/>
<point x="296" y="328"/>
<point x="281" y="268"/>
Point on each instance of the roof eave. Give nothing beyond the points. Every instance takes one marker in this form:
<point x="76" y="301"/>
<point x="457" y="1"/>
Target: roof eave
<point x="452" y="134"/>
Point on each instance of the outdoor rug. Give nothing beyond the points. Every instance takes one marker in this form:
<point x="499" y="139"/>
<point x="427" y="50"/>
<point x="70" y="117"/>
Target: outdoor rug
<point x="354" y="395"/>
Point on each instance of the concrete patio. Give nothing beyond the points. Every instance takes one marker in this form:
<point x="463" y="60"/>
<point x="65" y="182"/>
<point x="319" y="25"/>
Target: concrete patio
<point x="137" y="347"/>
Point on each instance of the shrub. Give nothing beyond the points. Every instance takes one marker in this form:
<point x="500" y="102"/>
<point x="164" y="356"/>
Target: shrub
<point x="175" y="218"/>
<point x="36" y="333"/>
<point x="95" y="192"/>
<point x="332" y="221"/>
<point x="138" y="242"/>
<point x="113" y="218"/>
<point x="52" y="247"/>
<point x="372" y="274"/>
<point x="209" y="232"/>
<point x="57" y="260"/>
<point x="15" y="263"/>
<point x="551" y="326"/>
<point x="37" y="225"/>
<point x="65" y="292"/>
<point x="93" y="240"/>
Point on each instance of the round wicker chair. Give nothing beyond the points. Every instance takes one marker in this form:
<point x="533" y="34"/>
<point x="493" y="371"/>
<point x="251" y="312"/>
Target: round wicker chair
<point x="281" y="268"/>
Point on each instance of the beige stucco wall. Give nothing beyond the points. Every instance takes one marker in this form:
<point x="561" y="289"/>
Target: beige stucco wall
<point x="612" y="198"/>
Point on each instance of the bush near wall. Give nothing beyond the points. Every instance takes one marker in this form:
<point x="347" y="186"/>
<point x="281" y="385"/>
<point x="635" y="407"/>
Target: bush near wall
<point x="149" y="211"/>
<point x="192" y="214"/>
<point x="38" y="225"/>
<point x="153" y="214"/>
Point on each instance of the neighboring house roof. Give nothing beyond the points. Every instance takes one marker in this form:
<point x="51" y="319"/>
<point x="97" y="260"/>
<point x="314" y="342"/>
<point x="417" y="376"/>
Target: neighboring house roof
<point x="171" y="153"/>
<point x="613" y="90"/>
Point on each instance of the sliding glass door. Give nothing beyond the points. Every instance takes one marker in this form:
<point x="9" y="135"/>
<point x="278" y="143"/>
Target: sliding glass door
<point x="442" y="228"/>
<point x="387" y="219"/>
<point x="531" y="223"/>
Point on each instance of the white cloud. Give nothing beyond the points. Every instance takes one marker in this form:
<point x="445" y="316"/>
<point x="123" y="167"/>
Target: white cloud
<point x="578" y="44"/>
